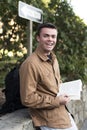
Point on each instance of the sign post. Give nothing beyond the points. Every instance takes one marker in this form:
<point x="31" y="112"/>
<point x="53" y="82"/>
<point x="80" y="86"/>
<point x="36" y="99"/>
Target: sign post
<point x="29" y="37"/>
<point x="33" y="14"/>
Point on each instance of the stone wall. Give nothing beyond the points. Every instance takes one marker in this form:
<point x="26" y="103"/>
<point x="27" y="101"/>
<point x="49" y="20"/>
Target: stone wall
<point x="79" y="108"/>
<point x="20" y="120"/>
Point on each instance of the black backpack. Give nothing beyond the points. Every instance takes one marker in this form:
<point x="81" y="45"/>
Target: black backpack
<point x="12" y="92"/>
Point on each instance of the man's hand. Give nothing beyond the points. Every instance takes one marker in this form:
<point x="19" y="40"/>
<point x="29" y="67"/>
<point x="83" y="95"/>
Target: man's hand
<point x="64" y="99"/>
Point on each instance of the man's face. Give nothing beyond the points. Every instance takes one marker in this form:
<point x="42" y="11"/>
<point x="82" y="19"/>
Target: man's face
<point x="47" y="39"/>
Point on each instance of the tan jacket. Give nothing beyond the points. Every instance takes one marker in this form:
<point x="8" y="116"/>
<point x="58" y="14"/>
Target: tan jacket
<point x="39" y="82"/>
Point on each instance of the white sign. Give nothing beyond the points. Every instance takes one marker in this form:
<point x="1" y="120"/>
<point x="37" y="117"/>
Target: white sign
<point x="30" y="12"/>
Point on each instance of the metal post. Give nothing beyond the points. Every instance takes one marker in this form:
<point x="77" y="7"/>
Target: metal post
<point x="29" y="37"/>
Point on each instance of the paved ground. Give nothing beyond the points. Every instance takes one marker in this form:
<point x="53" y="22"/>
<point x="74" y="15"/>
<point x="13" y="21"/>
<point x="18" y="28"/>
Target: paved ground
<point x="84" y="125"/>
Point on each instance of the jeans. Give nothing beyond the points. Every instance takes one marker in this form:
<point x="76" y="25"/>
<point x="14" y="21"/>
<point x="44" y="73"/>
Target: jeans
<point x="73" y="127"/>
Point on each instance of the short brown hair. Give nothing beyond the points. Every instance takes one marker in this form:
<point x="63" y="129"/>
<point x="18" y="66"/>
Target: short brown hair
<point x="45" y="25"/>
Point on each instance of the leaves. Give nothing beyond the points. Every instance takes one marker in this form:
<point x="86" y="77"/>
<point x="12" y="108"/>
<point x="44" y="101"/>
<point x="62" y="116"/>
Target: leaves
<point x="71" y="47"/>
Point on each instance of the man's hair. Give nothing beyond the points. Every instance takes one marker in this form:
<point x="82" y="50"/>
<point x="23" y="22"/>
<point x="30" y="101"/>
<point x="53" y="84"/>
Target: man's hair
<point x="45" y="25"/>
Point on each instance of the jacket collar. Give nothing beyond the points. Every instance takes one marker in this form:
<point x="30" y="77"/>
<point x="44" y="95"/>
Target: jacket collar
<point x="44" y="57"/>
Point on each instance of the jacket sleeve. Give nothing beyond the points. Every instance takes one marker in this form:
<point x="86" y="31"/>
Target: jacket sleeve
<point x="28" y="89"/>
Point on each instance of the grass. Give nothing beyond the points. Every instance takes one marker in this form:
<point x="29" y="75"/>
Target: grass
<point x="2" y="78"/>
<point x="5" y="67"/>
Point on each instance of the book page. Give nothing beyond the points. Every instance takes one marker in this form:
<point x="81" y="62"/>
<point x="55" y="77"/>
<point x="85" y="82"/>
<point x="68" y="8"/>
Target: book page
<point x="72" y="89"/>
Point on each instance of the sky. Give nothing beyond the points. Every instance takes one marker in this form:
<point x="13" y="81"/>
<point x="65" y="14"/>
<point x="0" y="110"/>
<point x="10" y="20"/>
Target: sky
<point x="80" y="8"/>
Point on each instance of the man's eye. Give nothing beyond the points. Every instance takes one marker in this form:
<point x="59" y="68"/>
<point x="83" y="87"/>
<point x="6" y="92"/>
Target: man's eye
<point x="45" y="35"/>
<point x="53" y="36"/>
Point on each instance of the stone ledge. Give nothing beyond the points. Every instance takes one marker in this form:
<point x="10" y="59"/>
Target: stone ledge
<point x="18" y="120"/>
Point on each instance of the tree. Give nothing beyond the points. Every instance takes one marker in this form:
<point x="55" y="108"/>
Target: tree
<point x="72" y="40"/>
<point x="72" y="34"/>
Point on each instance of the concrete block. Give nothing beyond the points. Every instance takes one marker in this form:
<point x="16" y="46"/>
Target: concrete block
<point x="18" y="120"/>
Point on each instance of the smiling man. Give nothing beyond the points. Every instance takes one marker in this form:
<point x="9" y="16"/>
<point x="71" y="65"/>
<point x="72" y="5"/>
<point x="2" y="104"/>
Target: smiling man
<point x="39" y="84"/>
<point x="47" y="40"/>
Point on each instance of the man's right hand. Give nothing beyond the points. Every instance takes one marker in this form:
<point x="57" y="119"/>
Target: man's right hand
<point x="64" y="99"/>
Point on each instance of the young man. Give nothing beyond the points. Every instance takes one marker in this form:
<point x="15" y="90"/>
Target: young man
<point x="39" y="84"/>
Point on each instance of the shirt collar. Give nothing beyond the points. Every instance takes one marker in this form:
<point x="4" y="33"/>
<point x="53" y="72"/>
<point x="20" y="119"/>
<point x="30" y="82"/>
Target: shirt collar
<point x="44" y="57"/>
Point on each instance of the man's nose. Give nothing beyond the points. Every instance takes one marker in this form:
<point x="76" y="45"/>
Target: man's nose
<point x="50" y="38"/>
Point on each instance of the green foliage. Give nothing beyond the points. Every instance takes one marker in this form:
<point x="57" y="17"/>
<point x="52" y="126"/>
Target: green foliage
<point x="71" y="47"/>
<point x="72" y="42"/>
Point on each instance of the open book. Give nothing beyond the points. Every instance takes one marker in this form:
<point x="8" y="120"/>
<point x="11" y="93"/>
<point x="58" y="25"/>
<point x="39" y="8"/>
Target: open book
<point x="72" y="89"/>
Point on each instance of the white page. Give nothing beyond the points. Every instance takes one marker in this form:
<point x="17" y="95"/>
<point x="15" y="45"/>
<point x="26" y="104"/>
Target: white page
<point x="72" y="89"/>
